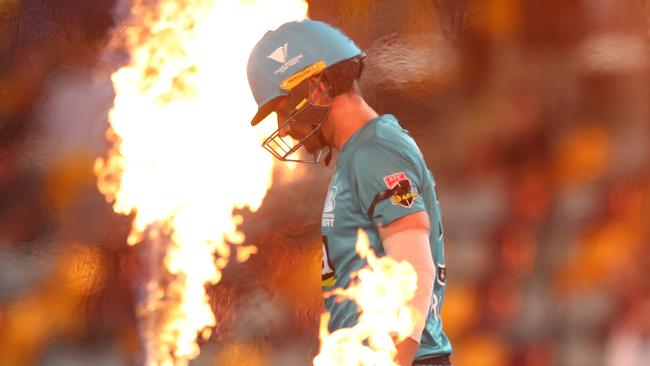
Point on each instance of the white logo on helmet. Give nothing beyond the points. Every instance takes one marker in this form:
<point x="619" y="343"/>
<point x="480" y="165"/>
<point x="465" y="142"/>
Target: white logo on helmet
<point x="280" y="56"/>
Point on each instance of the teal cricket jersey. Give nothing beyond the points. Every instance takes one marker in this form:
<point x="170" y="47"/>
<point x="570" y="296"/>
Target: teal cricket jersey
<point x="380" y="176"/>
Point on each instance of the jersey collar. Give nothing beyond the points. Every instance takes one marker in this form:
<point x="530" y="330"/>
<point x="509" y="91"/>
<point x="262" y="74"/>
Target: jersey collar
<point x="363" y="134"/>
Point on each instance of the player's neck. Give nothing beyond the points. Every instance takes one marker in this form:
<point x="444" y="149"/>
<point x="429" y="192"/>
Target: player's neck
<point x="349" y="114"/>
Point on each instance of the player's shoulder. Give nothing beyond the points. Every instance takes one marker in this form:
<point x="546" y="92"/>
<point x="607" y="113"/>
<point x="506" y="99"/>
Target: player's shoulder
<point x="387" y="127"/>
<point x="386" y="138"/>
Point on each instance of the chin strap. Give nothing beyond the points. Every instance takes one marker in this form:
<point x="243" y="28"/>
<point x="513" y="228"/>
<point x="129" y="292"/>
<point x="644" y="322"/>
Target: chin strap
<point x="328" y="153"/>
<point x="328" y="157"/>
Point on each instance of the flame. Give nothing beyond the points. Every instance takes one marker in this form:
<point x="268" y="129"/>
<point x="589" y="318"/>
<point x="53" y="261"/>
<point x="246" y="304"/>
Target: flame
<point x="183" y="154"/>
<point x="382" y="291"/>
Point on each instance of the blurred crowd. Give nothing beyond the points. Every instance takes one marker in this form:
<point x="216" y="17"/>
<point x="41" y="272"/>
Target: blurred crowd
<point x="534" y="117"/>
<point x="544" y="180"/>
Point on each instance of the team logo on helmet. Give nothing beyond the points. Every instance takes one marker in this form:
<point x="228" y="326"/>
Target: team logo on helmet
<point x="404" y="192"/>
<point x="280" y="56"/>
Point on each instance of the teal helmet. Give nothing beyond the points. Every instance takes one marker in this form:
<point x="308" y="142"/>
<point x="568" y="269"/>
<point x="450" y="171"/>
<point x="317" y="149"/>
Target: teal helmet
<point x="288" y="55"/>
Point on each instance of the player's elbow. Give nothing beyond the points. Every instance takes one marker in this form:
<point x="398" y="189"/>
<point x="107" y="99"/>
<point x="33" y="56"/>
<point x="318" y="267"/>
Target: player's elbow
<point x="413" y="246"/>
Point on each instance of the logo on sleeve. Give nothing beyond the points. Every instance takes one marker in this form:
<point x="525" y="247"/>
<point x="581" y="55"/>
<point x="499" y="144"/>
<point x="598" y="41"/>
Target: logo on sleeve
<point x="404" y="192"/>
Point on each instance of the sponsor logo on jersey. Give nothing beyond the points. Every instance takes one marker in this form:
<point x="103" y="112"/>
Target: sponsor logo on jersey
<point x="328" y="210"/>
<point x="405" y="192"/>
<point x="280" y="56"/>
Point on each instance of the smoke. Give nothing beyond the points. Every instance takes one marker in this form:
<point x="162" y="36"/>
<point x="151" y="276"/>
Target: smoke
<point x="411" y="64"/>
<point x="612" y="53"/>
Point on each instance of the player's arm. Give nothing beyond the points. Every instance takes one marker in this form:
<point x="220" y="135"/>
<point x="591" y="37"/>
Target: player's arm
<point x="407" y="239"/>
<point x="388" y="181"/>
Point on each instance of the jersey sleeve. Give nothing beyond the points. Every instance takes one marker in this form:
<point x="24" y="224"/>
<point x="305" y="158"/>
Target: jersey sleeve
<point x="387" y="182"/>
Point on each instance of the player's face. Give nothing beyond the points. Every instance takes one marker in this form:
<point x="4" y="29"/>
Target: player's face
<point x="297" y="129"/>
<point x="282" y="111"/>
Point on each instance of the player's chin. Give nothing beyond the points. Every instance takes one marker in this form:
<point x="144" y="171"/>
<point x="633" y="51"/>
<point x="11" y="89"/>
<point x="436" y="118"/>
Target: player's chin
<point x="312" y="145"/>
<point x="311" y="148"/>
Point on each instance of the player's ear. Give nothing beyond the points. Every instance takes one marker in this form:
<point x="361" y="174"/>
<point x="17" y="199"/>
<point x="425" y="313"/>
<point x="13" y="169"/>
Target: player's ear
<point x="318" y="90"/>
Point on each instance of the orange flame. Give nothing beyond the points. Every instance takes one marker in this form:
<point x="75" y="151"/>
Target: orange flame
<point x="382" y="291"/>
<point x="183" y="153"/>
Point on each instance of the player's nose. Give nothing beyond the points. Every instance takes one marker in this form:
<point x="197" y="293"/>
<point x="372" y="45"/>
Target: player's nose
<point x="283" y="129"/>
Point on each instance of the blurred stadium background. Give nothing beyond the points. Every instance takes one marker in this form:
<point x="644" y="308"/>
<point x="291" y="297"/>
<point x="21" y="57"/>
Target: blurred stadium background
<point x="534" y="116"/>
